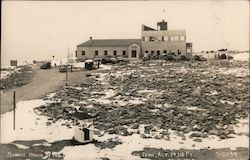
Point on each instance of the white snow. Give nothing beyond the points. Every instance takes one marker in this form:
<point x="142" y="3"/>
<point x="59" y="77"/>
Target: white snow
<point x="51" y="95"/>
<point x="105" y="67"/>
<point x="8" y="71"/>
<point x="109" y="93"/>
<point x="79" y="65"/>
<point x="136" y="143"/>
<point x="101" y="76"/>
<point x="193" y="108"/>
<point x="42" y="144"/>
<point x="30" y="126"/>
<point x="242" y="127"/>
<point x="238" y="72"/>
<point x="137" y="101"/>
<point x="212" y="93"/>
<point x="244" y="56"/>
<point x="147" y="91"/>
<point x="131" y="101"/>
<point x="5" y="74"/>
<point x="21" y="146"/>
<point x="24" y="63"/>
<point x="104" y="99"/>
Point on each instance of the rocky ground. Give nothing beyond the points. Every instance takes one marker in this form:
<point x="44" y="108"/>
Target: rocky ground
<point x="206" y="98"/>
<point x="145" y="106"/>
<point x="183" y="97"/>
<point x="19" y="76"/>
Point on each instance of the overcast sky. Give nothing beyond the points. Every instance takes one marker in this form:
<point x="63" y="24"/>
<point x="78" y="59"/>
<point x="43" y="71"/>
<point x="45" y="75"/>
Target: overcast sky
<point x="37" y="30"/>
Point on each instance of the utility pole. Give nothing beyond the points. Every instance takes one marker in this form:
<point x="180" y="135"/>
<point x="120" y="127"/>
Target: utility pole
<point x="67" y="68"/>
<point x="14" y="110"/>
<point x="66" y="75"/>
<point x="68" y="56"/>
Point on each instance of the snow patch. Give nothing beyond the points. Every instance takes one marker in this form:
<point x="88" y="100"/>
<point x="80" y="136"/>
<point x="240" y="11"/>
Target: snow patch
<point x="21" y="146"/>
<point x="105" y="67"/>
<point x="244" y="56"/>
<point x="30" y="126"/>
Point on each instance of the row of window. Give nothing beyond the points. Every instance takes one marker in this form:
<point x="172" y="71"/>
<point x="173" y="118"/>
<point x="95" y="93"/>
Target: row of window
<point x="158" y="52"/>
<point x="105" y="53"/>
<point x="163" y="38"/>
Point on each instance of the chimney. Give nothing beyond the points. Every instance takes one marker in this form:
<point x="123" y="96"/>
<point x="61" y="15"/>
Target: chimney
<point x="90" y="38"/>
<point x="162" y="25"/>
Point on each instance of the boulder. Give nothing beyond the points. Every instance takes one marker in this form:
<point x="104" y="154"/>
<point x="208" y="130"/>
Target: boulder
<point x="135" y="126"/>
<point x="197" y="140"/>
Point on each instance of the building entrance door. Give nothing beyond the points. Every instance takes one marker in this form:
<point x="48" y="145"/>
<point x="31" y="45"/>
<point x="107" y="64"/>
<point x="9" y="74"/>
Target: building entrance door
<point x="134" y="54"/>
<point x="86" y="134"/>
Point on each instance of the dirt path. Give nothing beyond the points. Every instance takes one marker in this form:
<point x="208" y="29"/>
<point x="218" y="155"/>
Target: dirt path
<point x="43" y="83"/>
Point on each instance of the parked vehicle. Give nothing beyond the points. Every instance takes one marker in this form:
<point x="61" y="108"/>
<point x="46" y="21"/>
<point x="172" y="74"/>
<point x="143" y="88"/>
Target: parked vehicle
<point x="199" y="58"/>
<point x="64" y="68"/>
<point x="105" y="60"/>
<point x="170" y="56"/>
<point x="113" y="60"/>
<point x="89" y="64"/>
<point x="224" y="56"/>
<point x="46" y="65"/>
<point x="122" y="59"/>
<point x="184" y="58"/>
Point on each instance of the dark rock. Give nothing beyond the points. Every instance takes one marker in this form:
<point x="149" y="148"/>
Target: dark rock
<point x="213" y="132"/>
<point x="196" y="135"/>
<point x="135" y="126"/>
<point x="197" y="140"/>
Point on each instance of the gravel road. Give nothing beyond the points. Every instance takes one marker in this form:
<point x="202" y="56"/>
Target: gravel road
<point x="42" y="83"/>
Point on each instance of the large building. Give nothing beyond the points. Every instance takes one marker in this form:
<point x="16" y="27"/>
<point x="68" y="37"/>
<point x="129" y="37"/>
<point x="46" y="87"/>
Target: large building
<point x="153" y="42"/>
<point x="100" y="48"/>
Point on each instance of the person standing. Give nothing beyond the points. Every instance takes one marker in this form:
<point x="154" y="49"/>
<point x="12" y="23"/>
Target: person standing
<point x="98" y="63"/>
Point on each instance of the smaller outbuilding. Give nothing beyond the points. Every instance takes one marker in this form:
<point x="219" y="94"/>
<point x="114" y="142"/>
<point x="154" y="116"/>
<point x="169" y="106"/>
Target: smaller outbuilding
<point x="83" y="132"/>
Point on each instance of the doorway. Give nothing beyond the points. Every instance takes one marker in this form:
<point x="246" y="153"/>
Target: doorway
<point x="86" y="134"/>
<point x="134" y="54"/>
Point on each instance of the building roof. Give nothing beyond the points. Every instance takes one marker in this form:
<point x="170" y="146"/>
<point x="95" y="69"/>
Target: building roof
<point x="109" y="42"/>
<point x="146" y="28"/>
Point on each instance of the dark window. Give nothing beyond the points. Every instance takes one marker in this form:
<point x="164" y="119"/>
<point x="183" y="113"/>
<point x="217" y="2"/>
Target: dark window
<point x="152" y="51"/>
<point x="114" y="53"/>
<point x="76" y="53"/>
<point x="165" y="51"/>
<point x="124" y="53"/>
<point x="134" y="54"/>
<point x="83" y="53"/>
<point x="143" y="38"/>
<point x="162" y="38"/>
<point x="179" y="51"/>
<point x="152" y="39"/>
<point x="96" y="53"/>
<point x="158" y="53"/>
<point x="146" y="51"/>
<point x="105" y="53"/>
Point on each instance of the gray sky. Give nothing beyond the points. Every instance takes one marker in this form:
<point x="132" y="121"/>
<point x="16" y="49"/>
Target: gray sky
<point x="37" y="30"/>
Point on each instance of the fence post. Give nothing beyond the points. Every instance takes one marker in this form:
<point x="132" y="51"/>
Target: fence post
<point x="66" y="75"/>
<point x="14" y="110"/>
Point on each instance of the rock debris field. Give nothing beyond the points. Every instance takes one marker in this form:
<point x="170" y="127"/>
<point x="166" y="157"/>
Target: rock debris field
<point x="16" y="77"/>
<point x="202" y="98"/>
